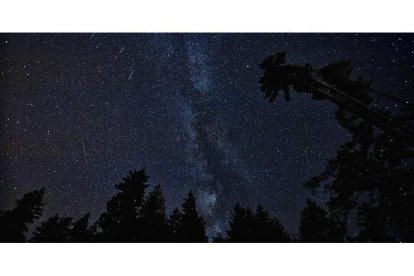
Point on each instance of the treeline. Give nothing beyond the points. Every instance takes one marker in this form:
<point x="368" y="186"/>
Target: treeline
<point x="130" y="216"/>
<point x="135" y="215"/>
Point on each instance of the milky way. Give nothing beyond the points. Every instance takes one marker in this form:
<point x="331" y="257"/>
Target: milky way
<point x="80" y="110"/>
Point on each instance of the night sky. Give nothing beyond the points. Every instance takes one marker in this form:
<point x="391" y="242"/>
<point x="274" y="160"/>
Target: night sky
<point x="77" y="111"/>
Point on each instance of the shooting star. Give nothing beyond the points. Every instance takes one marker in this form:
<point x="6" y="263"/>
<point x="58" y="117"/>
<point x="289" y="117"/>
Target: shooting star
<point x="84" y="153"/>
<point x="122" y="49"/>
<point x="93" y="35"/>
<point x="306" y="155"/>
<point x="130" y="75"/>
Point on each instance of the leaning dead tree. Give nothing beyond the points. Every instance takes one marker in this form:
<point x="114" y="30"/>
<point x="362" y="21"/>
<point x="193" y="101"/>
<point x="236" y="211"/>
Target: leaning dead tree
<point x="334" y="83"/>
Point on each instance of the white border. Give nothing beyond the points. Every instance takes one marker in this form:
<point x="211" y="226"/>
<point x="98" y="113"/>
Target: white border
<point x="206" y="259"/>
<point x="206" y="16"/>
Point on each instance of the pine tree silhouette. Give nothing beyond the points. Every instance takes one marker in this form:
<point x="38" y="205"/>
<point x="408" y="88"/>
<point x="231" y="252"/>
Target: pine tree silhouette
<point x="372" y="174"/>
<point x="188" y="225"/>
<point x="14" y="223"/>
<point x="333" y="82"/>
<point x="55" y="229"/>
<point x="153" y="221"/>
<point x="120" y="222"/>
<point x="81" y="232"/>
<point x="316" y="226"/>
<point x="246" y="226"/>
<point x="241" y="225"/>
<point x="174" y="224"/>
<point x="268" y="229"/>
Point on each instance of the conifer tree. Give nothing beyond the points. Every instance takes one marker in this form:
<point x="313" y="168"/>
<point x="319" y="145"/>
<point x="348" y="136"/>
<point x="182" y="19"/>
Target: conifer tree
<point x="190" y="226"/>
<point x="120" y="222"/>
<point x="14" y="223"/>
<point x="268" y="229"/>
<point x="370" y="180"/>
<point x="241" y="225"/>
<point x="315" y="225"/>
<point x="81" y="232"/>
<point x="246" y="226"/>
<point x="153" y="221"/>
<point x="55" y="229"/>
<point x="174" y="223"/>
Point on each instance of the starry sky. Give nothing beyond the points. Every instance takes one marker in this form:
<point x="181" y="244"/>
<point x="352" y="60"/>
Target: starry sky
<point x="77" y="111"/>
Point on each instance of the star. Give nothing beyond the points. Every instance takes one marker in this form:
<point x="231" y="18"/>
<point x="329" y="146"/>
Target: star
<point x="187" y="107"/>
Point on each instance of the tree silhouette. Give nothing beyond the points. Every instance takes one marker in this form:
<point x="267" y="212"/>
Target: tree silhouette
<point x="188" y="225"/>
<point x="246" y="226"/>
<point x="120" y="222"/>
<point x="14" y="223"/>
<point x="241" y="225"/>
<point x="268" y="229"/>
<point x="375" y="181"/>
<point x="371" y="177"/>
<point x="316" y="226"/>
<point x="81" y="232"/>
<point x="55" y="229"/>
<point x="129" y="218"/>
<point x="174" y="224"/>
<point x="153" y="221"/>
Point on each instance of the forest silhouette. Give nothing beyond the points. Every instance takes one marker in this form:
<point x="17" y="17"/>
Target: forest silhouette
<point x="369" y="184"/>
